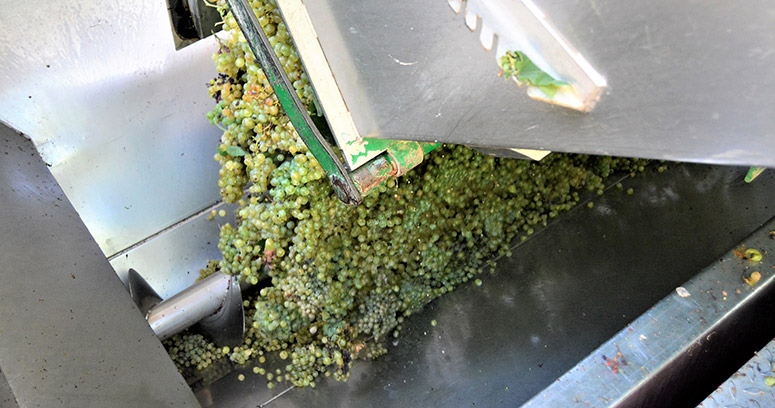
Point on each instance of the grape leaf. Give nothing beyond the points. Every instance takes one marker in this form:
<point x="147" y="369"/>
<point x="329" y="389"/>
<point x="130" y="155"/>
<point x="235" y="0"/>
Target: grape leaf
<point x="517" y="64"/>
<point x="232" y="151"/>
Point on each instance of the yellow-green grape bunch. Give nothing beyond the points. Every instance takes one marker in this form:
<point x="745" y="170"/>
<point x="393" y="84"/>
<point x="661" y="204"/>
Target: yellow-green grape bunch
<point x="246" y="106"/>
<point x="338" y="280"/>
<point x="193" y="350"/>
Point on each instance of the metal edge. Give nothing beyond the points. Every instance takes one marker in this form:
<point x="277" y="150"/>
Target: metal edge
<point x="542" y="42"/>
<point x="324" y="83"/>
<point x="707" y="325"/>
<point x="749" y="385"/>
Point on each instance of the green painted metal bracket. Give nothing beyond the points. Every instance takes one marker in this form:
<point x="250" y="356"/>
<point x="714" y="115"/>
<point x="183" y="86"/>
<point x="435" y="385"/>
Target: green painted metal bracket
<point x="398" y="158"/>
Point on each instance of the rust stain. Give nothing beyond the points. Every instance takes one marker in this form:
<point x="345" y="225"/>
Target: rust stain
<point x="371" y="175"/>
<point x="615" y="363"/>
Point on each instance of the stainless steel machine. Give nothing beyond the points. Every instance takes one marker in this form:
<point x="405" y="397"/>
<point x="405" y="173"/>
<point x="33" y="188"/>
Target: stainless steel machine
<point x="118" y="174"/>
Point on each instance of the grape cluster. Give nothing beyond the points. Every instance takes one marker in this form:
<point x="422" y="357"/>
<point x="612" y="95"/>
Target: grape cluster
<point x="338" y="279"/>
<point x="193" y="350"/>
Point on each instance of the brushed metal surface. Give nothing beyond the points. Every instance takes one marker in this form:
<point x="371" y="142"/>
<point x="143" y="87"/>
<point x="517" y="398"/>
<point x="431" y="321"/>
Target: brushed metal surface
<point x="226" y="326"/>
<point x="70" y="336"/>
<point x="748" y="387"/>
<point x="141" y="292"/>
<point x="170" y="260"/>
<point x="562" y="294"/>
<point x="522" y="25"/>
<point x="116" y="112"/>
<point x="688" y="80"/>
<point x="7" y="400"/>
<point x="185" y="308"/>
<point x="710" y="325"/>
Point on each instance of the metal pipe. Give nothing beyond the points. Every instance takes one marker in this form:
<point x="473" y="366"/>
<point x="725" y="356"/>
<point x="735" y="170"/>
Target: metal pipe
<point x="182" y="310"/>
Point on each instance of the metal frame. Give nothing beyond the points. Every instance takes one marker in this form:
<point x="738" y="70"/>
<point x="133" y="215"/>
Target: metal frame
<point x="686" y="81"/>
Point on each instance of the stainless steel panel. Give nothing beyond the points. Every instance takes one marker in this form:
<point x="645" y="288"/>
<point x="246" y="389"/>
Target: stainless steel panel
<point x="710" y="325"/>
<point x="117" y="113"/>
<point x="70" y="336"/>
<point x="250" y="393"/>
<point x="563" y="293"/>
<point x="748" y="386"/>
<point x="521" y="25"/>
<point x="7" y="400"/>
<point x="688" y="80"/>
<point x="170" y="260"/>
